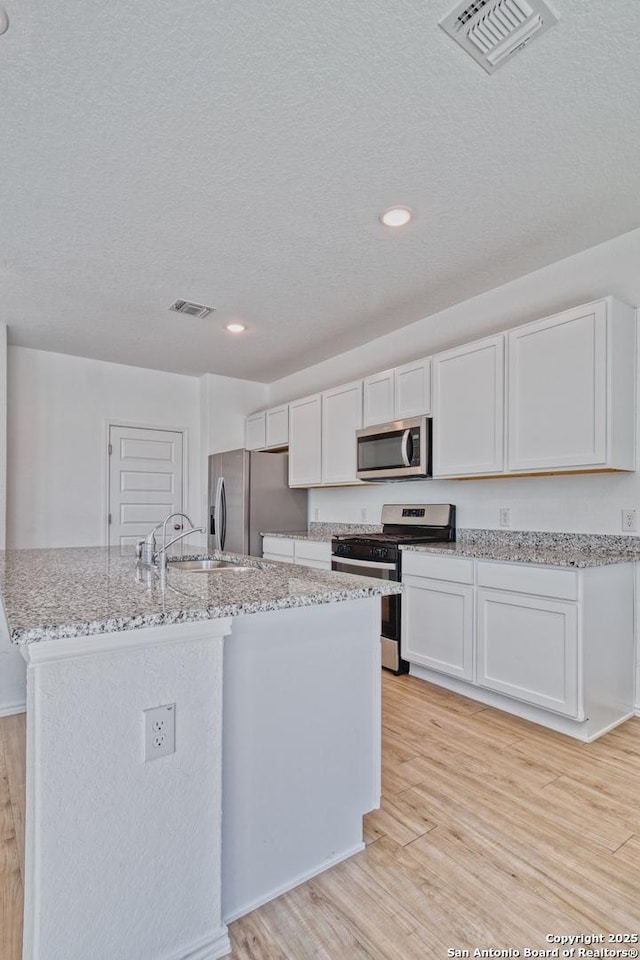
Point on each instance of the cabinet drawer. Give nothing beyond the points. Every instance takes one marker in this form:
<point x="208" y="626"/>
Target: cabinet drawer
<point x="280" y="547"/>
<point x="528" y="578"/>
<point x="437" y="566"/>
<point x="312" y="550"/>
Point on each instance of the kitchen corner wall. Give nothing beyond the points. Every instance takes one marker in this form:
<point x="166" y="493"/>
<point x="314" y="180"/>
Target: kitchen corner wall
<point x="590" y="504"/>
<point x="56" y="441"/>
<point x="224" y="405"/>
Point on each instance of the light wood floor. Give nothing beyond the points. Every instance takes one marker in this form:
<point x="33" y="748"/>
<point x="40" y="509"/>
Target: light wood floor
<point x="492" y="833"/>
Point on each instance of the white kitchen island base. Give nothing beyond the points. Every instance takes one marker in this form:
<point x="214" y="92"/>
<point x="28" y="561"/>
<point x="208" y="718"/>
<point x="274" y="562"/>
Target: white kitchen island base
<point x="301" y="745"/>
<point x="123" y="856"/>
<point x="277" y="736"/>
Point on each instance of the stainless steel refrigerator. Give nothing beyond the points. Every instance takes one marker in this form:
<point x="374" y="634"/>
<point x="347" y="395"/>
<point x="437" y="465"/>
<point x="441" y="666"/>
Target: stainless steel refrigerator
<point x="249" y="493"/>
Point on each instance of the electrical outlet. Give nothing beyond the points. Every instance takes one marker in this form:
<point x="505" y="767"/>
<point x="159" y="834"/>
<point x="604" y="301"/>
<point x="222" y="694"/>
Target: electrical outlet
<point x="159" y="731"/>
<point x="505" y="516"/>
<point x="363" y="514"/>
<point x="629" y="521"/>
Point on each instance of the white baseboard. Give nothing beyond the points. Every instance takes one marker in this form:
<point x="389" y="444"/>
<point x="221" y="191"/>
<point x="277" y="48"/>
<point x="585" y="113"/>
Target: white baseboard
<point x="210" y="948"/>
<point x="8" y="709"/>
<point x="302" y="878"/>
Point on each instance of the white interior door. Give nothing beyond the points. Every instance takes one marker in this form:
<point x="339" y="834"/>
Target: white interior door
<point x="145" y="481"/>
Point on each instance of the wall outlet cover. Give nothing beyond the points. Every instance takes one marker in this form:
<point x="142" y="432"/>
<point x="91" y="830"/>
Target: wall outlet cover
<point x="629" y="521"/>
<point x="159" y="731"/>
<point x="505" y="516"/>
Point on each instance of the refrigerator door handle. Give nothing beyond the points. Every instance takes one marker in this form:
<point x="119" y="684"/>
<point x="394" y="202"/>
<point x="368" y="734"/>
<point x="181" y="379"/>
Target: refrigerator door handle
<point x="216" y="517"/>
<point x="223" y="505"/>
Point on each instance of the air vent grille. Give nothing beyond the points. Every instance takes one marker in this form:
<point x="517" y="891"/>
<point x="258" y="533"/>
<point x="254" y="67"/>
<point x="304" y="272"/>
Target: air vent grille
<point x="491" y="31"/>
<point x="190" y="308"/>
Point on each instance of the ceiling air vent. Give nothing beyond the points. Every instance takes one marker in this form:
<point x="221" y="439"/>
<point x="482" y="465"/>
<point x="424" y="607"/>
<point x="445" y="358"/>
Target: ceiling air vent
<point x="191" y="309"/>
<point x="491" y="31"/>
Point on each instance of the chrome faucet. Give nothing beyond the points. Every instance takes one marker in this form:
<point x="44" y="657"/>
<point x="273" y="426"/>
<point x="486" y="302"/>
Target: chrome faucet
<point x="146" y="549"/>
<point x="161" y="555"/>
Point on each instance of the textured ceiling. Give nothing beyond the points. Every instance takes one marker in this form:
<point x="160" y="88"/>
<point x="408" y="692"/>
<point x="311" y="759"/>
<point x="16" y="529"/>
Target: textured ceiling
<point x="238" y="152"/>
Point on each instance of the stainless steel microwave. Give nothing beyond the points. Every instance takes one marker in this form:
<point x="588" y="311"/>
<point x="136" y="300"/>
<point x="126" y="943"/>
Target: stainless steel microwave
<point x="395" y="451"/>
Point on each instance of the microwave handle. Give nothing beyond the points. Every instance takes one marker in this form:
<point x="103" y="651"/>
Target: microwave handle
<point x="405" y="448"/>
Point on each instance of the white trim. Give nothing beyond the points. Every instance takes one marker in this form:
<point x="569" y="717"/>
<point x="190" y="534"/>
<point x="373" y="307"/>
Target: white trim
<point x="579" y="729"/>
<point x="48" y="651"/>
<point x="10" y="709"/>
<point x="301" y="878"/>
<point x="107" y="423"/>
<point x="208" y="948"/>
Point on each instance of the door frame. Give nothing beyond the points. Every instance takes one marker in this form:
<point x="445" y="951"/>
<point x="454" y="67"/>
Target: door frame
<point x="107" y="423"/>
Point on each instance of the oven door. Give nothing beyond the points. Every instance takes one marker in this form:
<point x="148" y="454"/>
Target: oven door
<point x="383" y="571"/>
<point x="395" y="450"/>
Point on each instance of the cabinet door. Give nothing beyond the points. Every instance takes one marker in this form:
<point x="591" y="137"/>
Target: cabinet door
<point x="437" y="626"/>
<point x="255" y="432"/>
<point x="528" y="649"/>
<point x="341" y="417"/>
<point x="413" y="389"/>
<point x="468" y="410"/>
<point x="305" y="438"/>
<point x="379" y="398"/>
<point x="558" y="391"/>
<point x="277" y="426"/>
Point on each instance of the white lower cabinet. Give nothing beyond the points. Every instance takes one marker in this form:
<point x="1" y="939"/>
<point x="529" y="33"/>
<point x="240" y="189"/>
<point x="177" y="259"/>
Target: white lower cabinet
<point x="308" y="553"/>
<point x="438" y="619"/>
<point x="528" y="649"/>
<point x="552" y="644"/>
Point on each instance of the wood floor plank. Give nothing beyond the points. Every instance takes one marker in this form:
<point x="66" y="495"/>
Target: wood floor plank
<point x="11" y="890"/>
<point x="251" y="940"/>
<point x="493" y="831"/>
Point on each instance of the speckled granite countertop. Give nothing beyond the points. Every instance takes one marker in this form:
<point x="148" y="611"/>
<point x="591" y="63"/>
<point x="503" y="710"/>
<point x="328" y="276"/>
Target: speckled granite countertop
<point x="50" y="594"/>
<point x="548" y="549"/>
<point x="321" y="532"/>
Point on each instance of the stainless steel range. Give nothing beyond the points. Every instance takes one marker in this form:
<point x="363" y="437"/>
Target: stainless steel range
<point x="379" y="555"/>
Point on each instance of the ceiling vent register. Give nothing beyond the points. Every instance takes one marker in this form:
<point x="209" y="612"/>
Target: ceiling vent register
<point x="191" y="309"/>
<point x="491" y="31"/>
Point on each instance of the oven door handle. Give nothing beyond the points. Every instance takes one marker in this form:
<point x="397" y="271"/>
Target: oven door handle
<point x="369" y="564"/>
<point x="405" y="448"/>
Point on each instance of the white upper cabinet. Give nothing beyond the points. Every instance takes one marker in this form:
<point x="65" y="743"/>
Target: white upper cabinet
<point x="468" y="409"/>
<point x="305" y="442"/>
<point x="268" y="429"/>
<point x="413" y="389"/>
<point x="277" y="426"/>
<point x="256" y="431"/>
<point x="341" y="417"/>
<point x="398" y="394"/>
<point x="379" y="392"/>
<point x="571" y="390"/>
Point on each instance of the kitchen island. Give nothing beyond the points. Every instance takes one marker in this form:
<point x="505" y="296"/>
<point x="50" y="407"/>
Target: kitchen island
<point x="274" y="674"/>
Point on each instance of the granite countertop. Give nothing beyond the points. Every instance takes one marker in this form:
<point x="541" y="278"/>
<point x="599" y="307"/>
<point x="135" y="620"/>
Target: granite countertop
<point x="54" y="593"/>
<point x="545" y="548"/>
<point x="323" y="532"/>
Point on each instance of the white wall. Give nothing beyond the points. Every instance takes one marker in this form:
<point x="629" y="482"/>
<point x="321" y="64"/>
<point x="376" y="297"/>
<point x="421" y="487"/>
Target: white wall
<point x="3" y="434"/>
<point x="224" y="405"/>
<point x="57" y="464"/>
<point x="610" y="268"/>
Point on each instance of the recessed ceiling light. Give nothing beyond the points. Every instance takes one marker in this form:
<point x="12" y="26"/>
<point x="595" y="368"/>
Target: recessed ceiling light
<point x="236" y="327"/>
<point x="396" y="217"/>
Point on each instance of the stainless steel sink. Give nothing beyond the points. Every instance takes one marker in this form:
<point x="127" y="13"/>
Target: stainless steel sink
<point x="207" y="566"/>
